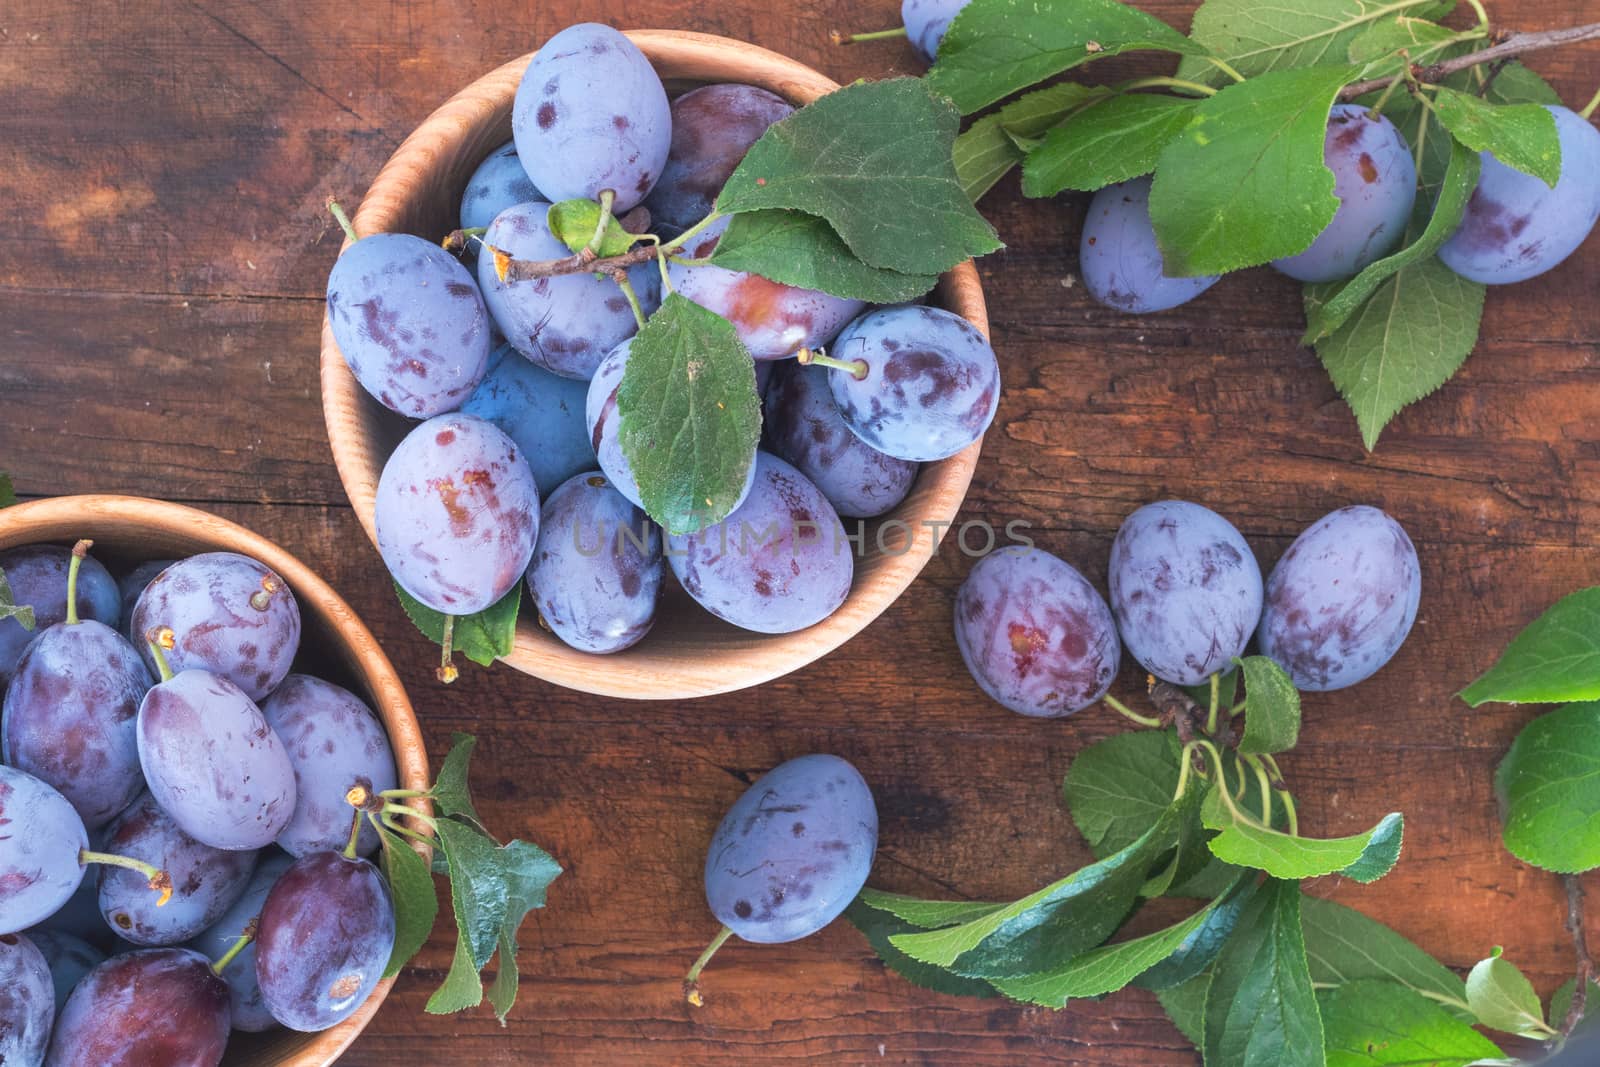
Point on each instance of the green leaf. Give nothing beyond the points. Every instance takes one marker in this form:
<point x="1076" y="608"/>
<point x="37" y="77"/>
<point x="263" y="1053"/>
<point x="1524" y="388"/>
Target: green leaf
<point x="529" y="870"/>
<point x="1555" y="659"/>
<point x="1522" y="136"/>
<point x="1108" y="142"/>
<point x="1260" y="1008"/>
<point x="1503" y="999"/>
<point x="1185" y="1006"/>
<point x="995" y="47"/>
<point x="799" y="249"/>
<point x="1377" y="48"/>
<point x="416" y="904"/>
<point x="880" y="927"/>
<point x="1549" y="784"/>
<point x="482" y="638"/>
<point x="461" y="989"/>
<point x="988" y="149"/>
<point x="1117" y="789"/>
<point x="1561" y="1007"/>
<point x="926" y="914"/>
<point x="478" y="887"/>
<point x="1345" y="946"/>
<point x="690" y="415"/>
<point x="1061" y="920"/>
<point x="574" y="223"/>
<point x="507" y="977"/>
<point x="1105" y="969"/>
<point x="8" y="493"/>
<point x="1375" y="1023"/>
<point x="1516" y="84"/>
<point x="1244" y="182"/>
<point x="1256" y="38"/>
<point x="1272" y="707"/>
<point x="452" y="790"/>
<point x="10" y="609"/>
<point x="1331" y="305"/>
<point x="1202" y="946"/>
<point x="1411" y="335"/>
<point x="859" y="157"/>
<point x="1360" y="857"/>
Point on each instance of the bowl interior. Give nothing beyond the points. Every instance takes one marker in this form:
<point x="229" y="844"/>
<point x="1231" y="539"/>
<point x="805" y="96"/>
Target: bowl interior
<point x="689" y="652"/>
<point x="128" y="530"/>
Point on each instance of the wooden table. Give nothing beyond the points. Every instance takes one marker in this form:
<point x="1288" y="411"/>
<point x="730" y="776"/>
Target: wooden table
<point x="163" y="251"/>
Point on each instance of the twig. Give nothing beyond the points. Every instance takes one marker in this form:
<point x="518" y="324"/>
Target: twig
<point x="1515" y="44"/>
<point x="1580" y="945"/>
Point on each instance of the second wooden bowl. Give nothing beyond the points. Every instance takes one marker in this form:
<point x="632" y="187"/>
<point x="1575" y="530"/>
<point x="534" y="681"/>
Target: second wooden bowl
<point x="130" y="530"/>
<point x="689" y="653"/>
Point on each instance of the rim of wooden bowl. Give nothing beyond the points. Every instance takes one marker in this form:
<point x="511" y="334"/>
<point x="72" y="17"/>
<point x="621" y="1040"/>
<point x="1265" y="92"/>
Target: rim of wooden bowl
<point x="713" y="657"/>
<point x="138" y="524"/>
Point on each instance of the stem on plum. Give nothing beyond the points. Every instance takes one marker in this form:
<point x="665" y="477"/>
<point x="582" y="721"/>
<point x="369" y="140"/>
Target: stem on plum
<point x="456" y="240"/>
<point x="621" y="278"/>
<point x="683" y="238"/>
<point x="1266" y="790"/>
<point x="79" y="550"/>
<point x="691" y="981"/>
<point x="387" y="823"/>
<point x="1126" y="712"/>
<point x="447" y="672"/>
<point x="1226" y="68"/>
<point x="355" y="835"/>
<point x="404" y="794"/>
<point x="342" y="219"/>
<point x="158" y="880"/>
<point x="1157" y="82"/>
<point x="685" y="261"/>
<point x="1589" y="108"/>
<point x="608" y="197"/>
<point x="859" y="38"/>
<point x="239" y="944"/>
<point x="1483" y="16"/>
<point x="1216" y="703"/>
<point x="159" y="640"/>
<point x="398" y="810"/>
<point x="1186" y="762"/>
<point x="856" y="368"/>
<point x="510" y="269"/>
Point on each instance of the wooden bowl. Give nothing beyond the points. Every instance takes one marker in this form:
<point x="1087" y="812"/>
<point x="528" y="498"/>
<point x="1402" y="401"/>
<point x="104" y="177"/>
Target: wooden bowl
<point x="689" y="652"/>
<point x="133" y="529"/>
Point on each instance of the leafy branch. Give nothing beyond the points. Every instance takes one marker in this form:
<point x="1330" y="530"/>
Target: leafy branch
<point x="1510" y="46"/>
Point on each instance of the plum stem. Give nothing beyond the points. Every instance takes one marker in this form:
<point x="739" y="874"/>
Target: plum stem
<point x="691" y="981"/>
<point x="608" y="197"/>
<point x="158" y="880"/>
<point x="511" y="269"/>
<point x="159" y="640"/>
<point x="1216" y="703"/>
<point x="1160" y="82"/>
<point x="1515" y="44"/>
<point x="447" y="672"/>
<point x="1128" y="713"/>
<point x="856" y="368"/>
<point x="693" y="231"/>
<point x="239" y="944"/>
<point x="388" y="823"/>
<point x="621" y="278"/>
<point x="79" y="550"/>
<point x="871" y="35"/>
<point x="1266" y="789"/>
<point x="342" y="219"/>
<point x="1589" y="108"/>
<point x="355" y="835"/>
<point x="1225" y="67"/>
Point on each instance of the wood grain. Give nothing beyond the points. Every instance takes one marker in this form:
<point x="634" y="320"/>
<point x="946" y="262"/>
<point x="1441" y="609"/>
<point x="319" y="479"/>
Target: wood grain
<point x="160" y="288"/>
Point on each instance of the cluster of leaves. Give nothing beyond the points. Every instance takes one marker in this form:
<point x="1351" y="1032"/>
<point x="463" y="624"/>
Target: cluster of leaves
<point x="1549" y="782"/>
<point x="492" y="887"/>
<point x="1259" y="973"/>
<point x="1235" y="144"/>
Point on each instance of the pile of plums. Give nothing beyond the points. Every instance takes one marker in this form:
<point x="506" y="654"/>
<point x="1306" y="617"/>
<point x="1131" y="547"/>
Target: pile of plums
<point x="1515" y="226"/>
<point x="1186" y="598"/>
<point x="171" y="789"/>
<point x="518" y="472"/>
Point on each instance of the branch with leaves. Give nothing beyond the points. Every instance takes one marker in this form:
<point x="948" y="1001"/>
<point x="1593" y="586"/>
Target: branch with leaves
<point x="1235" y="141"/>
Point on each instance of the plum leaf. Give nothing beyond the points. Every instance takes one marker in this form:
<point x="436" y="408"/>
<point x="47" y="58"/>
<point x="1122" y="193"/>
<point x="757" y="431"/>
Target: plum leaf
<point x="1549" y="783"/>
<point x="799" y="249"/>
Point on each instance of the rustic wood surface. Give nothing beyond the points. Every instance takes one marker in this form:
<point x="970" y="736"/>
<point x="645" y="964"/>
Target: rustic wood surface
<point x="162" y="258"/>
